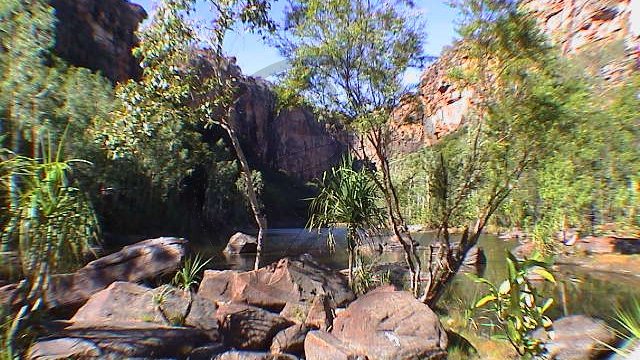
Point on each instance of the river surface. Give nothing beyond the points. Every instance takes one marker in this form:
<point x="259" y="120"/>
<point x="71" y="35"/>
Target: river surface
<point x="578" y="290"/>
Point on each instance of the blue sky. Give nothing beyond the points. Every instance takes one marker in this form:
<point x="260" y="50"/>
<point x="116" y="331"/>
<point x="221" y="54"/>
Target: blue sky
<point x="253" y="54"/>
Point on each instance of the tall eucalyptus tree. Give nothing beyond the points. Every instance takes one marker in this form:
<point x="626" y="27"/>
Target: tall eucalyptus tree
<point x="348" y="59"/>
<point x="185" y="87"/>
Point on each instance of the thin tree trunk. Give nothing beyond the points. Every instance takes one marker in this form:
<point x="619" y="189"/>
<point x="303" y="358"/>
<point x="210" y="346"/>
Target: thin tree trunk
<point x="351" y="245"/>
<point x="260" y="218"/>
<point x="398" y="226"/>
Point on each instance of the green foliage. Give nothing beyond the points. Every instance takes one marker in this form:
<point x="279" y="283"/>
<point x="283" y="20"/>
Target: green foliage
<point x="350" y="197"/>
<point x="347" y="196"/>
<point x="54" y="224"/>
<point x="164" y="120"/>
<point x="348" y="57"/>
<point x="517" y="305"/>
<point x="189" y="275"/>
<point x="156" y="124"/>
<point x="366" y="275"/>
<point x="629" y="320"/>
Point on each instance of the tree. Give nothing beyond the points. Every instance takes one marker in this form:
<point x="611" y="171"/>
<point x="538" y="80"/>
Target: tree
<point x="347" y="196"/>
<point x="522" y="106"/>
<point x="348" y="58"/>
<point x="184" y="88"/>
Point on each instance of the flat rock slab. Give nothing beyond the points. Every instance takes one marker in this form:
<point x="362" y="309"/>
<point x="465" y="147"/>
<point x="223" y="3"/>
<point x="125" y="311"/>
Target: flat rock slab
<point x="273" y="286"/>
<point x="253" y="355"/>
<point x="144" y="260"/>
<point x="119" y="340"/>
<point x="62" y="349"/>
<point x="577" y="337"/>
<point x="165" y="305"/>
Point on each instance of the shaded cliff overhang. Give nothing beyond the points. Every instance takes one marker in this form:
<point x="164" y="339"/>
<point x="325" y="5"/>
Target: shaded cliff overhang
<point x="99" y="35"/>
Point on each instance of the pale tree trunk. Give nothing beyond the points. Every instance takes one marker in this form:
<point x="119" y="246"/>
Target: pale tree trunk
<point x="379" y="141"/>
<point x="260" y="218"/>
<point x="351" y="248"/>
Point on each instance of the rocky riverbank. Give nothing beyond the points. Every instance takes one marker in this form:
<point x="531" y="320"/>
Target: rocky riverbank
<point x="293" y="308"/>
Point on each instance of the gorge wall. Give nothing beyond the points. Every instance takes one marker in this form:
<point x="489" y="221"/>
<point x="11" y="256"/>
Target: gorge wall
<point x="99" y="35"/>
<point x="605" y="32"/>
<point x="291" y="141"/>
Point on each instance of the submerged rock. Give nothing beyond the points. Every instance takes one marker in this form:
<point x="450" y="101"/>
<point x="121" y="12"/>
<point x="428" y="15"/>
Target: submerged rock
<point x="383" y="324"/>
<point x="577" y="337"/>
<point x="241" y="243"/>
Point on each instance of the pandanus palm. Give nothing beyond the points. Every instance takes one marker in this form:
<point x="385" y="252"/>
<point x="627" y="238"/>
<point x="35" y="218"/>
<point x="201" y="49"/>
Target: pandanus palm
<point x="52" y="226"/>
<point x="350" y="197"/>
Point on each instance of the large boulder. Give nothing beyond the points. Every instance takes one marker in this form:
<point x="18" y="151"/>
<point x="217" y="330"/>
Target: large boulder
<point x="272" y="287"/>
<point x="252" y="355"/>
<point x="577" y="337"/>
<point x="290" y="340"/>
<point x="124" y="302"/>
<point x="248" y="327"/>
<point x="147" y="259"/>
<point x="383" y="324"/>
<point x="241" y="243"/>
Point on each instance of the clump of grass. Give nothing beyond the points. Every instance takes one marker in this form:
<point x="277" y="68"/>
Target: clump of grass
<point x="629" y="320"/>
<point x="189" y="275"/>
<point x="366" y="277"/>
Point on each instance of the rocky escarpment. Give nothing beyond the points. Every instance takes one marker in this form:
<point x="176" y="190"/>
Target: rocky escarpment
<point x="605" y="33"/>
<point x="292" y="141"/>
<point x="578" y="25"/>
<point x="99" y="35"/>
<point x="439" y="107"/>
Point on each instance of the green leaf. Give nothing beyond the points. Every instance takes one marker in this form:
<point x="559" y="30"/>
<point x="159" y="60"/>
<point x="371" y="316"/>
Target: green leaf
<point x="545" y="274"/>
<point x="485" y="300"/>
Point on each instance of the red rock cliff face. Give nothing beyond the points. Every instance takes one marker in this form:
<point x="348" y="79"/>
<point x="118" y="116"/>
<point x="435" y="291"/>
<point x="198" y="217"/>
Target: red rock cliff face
<point x="576" y="26"/>
<point x="99" y="35"/>
<point x="293" y="141"/>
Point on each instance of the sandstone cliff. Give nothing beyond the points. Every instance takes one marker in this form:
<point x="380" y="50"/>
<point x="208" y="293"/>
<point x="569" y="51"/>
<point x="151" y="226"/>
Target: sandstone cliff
<point x="605" y="32"/>
<point x="292" y="141"/>
<point x="99" y="35"/>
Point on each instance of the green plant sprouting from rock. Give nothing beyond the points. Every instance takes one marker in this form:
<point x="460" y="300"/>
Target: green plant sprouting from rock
<point x="190" y="273"/>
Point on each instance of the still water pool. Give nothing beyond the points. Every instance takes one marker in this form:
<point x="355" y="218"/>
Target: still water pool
<point x="578" y="290"/>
